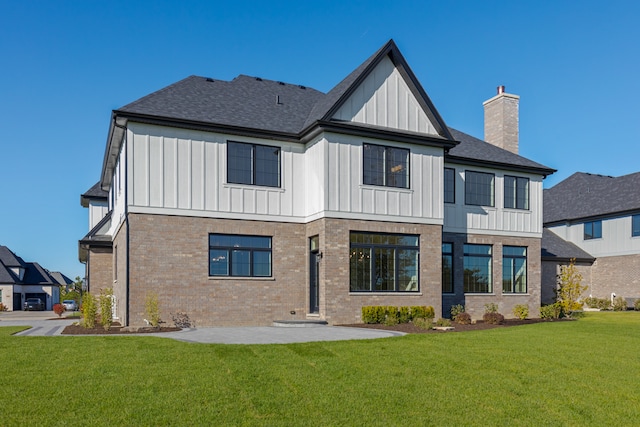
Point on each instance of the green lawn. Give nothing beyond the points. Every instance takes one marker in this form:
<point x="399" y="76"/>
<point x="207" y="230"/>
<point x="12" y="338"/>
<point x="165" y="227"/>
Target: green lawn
<point x="564" y="373"/>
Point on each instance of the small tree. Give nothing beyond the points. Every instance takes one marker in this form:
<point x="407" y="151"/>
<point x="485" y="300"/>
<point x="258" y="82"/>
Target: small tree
<point x="89" y="310"/>
<point x="106" y="307"/>
<point x="570" y="288"/>
<point x="152" y="309"/>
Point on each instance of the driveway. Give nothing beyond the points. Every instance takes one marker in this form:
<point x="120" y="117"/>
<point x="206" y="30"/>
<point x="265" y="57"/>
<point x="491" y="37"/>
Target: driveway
<point x="42" y="325"/>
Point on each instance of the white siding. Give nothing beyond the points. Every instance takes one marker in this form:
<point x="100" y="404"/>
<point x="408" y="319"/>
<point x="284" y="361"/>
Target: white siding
<point x="462" y="218"/>
<point x="97" y="211"/>
<point x="384" y="99"/>
<point x="616" y="237"/>
<point x="117" y="193"/>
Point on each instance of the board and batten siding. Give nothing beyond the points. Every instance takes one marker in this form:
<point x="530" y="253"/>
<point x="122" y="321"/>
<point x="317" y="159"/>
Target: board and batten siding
<point x="462" y="218"/>
<point x="97" y="211"/>
<point x="384" y="99"/>
<point x="182" y="172"/>
<point x="616" y="237"/>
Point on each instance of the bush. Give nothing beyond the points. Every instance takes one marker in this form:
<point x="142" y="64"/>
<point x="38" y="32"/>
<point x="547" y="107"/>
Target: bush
<point x="58" y="309"/>
<point x="404" y="314"/>
<point x="392" y="316"/>
<point x="463" y="318"/>
<point x="619" y="304"/>
<point x="430" y="312"/>
<point x="493" y="318"/>
<point x="600" y="303"/>
<point x="551" y="311"/>
<point x="106" y="308"/>
<point x="181" y="320"/>
<point x="456" y="309"/>
<point x="152" y="309"/>
<point x="636" y="305"/>
<point x="423" y="323"/>
<point x="3" y="307"/>
<point x="491" y="308"/>
<point x="521" y="311"/>
<point x="89" y="310"/>
<point x="570" y="282"/>
<point x="443" y="322"/>
<point x="373" y="314"/>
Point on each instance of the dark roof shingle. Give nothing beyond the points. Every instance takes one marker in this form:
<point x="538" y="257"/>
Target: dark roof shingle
<point x="555" y="247"/>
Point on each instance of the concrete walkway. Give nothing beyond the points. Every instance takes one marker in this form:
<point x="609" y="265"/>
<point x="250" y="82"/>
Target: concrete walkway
<point x="42" y="326"/>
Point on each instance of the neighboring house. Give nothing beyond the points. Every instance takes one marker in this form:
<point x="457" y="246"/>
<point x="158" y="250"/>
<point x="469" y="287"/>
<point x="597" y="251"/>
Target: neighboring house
<point x="95" y="249"/>
<point x="600" y="215"/>
<point x="20" y="280"/>
<point x="247" y="201"/>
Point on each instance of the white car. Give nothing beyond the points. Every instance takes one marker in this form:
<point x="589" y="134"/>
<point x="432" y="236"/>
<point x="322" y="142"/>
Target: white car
<point x="70" y="305"/>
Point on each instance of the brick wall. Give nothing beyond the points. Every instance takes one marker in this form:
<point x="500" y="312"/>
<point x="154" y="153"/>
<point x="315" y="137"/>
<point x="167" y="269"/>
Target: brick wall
<point x="550" y="273"/>
<point x="617" y="274"/>
<point x="100" y="265"/>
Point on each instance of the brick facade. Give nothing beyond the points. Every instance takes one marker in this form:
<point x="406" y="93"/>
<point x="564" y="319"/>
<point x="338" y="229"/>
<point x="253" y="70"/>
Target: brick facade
<point x="99" y="266"/>
<point x="474" y="303"/>
<point x="616" y="274"/>
<point x="550" y="273"/>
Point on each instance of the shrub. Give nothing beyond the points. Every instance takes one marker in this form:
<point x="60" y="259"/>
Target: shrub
<point x="619" y="304"/>
<point x="370" y="314"/>
<point x="404" y="314"/>
<point x="636" y="305"/>
<point x="493" y="318"/>
<point x="456" y="309"/>
<point x="423" y="323"/>
<point x="443" y="322"/>
<point x="551" y="311"/>
<point x="570" y="288"/>
<point x="89" y="310"/>
<point x="152" y="309"/>
<point x="58" y="309"/>
<point x="106" y="308"/>
<point x="521" y="311"/>
<point x="3" y="307"/>
<point x="181" y="320"/>
<point x="463" y="318"/>
<point x="600" y="303"/>
<point x="418" y="311"/>
<point x="491" y="308"/>
<point x="429" y="313"/>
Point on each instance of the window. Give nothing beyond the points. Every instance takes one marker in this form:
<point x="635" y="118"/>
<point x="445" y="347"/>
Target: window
<point x="516" y="192"/>
<point x="477" y="269"/>
<point x="253" y="164"/>
<point x="447" y="268"/>
<point x="479" y="189"/>
<point x="635" y="225"/>
<point x="386" y="166"/>
<point x="592" y="230"/>
<point x="449" y="185"/>
<point x="514" y="269"/>
<point x="244" y="256"/>
<point x="383" y="262"/>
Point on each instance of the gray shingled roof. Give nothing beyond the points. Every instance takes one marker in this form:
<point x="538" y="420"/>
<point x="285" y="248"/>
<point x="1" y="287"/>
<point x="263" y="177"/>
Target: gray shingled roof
<point x="9" y="259"/>
<point x="585" y="195"/>
<point x="555" y="247"/>
<point x="476" y="150"/>
<point x="96" y="192"/>
<point x="6" y="276"/>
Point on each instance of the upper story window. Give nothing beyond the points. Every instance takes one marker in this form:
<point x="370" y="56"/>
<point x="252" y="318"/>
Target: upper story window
<point x="516" y="192"/>
<point x="244" y="256"/>
<point x="479" y="188"/>
<point x="635" y="225"/>
<point x="386" y="166"/>
<point x="253" y="164"/>
<point x="593" y="230"/>
<point x="477" y="269"/>
<point x="449" y="185"/>
<point x="447" y="268"/>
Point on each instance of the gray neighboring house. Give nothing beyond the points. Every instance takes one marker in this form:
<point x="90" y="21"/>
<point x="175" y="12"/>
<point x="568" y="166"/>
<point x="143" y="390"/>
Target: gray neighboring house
<point x="20" y="280"/>
<point x="595" y="219"/>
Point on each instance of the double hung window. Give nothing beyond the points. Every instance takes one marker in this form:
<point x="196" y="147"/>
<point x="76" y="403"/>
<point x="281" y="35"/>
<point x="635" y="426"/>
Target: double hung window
<point x="383" y="262"/>
<point x="593" y="230"/>
<point x="516" y="192"/>
<point x="385" y="166"/>
<point x="253" y="164"/>
<point x="635" y="225"/>
<point x="477" y="269"/>
<point x="449" y="185"/>
<point x="243" y="256"/>
<point x="514" y="269"/>
<point x="479" y="188"/>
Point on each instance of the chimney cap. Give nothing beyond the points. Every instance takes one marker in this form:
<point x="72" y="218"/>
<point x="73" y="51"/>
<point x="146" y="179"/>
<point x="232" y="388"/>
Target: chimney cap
<point x="501" y="89"/>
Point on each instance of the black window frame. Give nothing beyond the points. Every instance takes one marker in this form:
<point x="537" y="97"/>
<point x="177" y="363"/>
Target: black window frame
<point x="449" y="185"/>
<point x="387" y="175"/>
<point x="635" y="225"/>
<point x="517" y="200"/>
<point x="234" y="247"/>
<point x="592" y="230"/>
<point x="366" y="252"/>
<point x="473" y="197"/>
<point x="467" y="276"/>
<point x="255" y="175"/>
<point x="509" y="286"/>
<point x="447" y="276"/>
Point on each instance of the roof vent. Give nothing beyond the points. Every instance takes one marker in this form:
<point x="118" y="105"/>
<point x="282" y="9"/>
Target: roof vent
<point x="302" y="87"/>
<point x="281" y="83"/>
<point x="258" y="79"/>
<point x="209" y="79"/>
<point x="278" y="101"/>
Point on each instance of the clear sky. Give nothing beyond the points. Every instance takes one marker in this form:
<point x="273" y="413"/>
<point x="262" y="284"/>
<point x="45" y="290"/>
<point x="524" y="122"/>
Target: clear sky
<point x="66" y="64"/>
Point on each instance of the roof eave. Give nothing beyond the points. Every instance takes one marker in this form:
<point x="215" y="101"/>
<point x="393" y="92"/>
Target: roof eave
<point x="499" y="165"/>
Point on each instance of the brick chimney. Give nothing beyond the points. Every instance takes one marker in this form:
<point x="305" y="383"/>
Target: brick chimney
<point x="501" y="120"/>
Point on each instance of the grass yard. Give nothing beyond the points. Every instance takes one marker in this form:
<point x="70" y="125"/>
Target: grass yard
<point x="565" y="373"/>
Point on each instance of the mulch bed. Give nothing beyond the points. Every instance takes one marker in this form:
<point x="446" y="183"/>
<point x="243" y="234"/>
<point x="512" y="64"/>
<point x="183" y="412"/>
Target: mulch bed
<point x="116" y="329"/>
<point x="410" y="328"/>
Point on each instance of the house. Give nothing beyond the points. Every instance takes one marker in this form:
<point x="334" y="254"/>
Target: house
<point x="20" y="280"/>
<point x="600" y="217"/>
<point x="247" y="201"/>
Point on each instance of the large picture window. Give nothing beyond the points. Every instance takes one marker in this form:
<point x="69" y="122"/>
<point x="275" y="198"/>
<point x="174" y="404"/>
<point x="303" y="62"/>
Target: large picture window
<point x="253" y="164"/>
<point x="383" y="262"/>
<point x="635" y="225"/>
<point x="447" y="268"/>
<point x="477" y="269"/>
<point x="479" y="188"/>
<point x="514" y="269"/>
<point x="243" y="256"/>
<point x="593" y="230"/>
<point x="449" y="185"/>
<point x="516" y="192"/>
<point x="386" y="166"/>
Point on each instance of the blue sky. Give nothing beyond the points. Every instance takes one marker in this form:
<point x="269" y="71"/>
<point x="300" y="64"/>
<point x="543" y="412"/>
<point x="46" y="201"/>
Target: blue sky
<point x="67" y="64"/>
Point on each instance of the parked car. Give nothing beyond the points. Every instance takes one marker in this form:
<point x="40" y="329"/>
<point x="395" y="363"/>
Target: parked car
<point x="70" y="305"/>
<point x="34" y="304"/>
